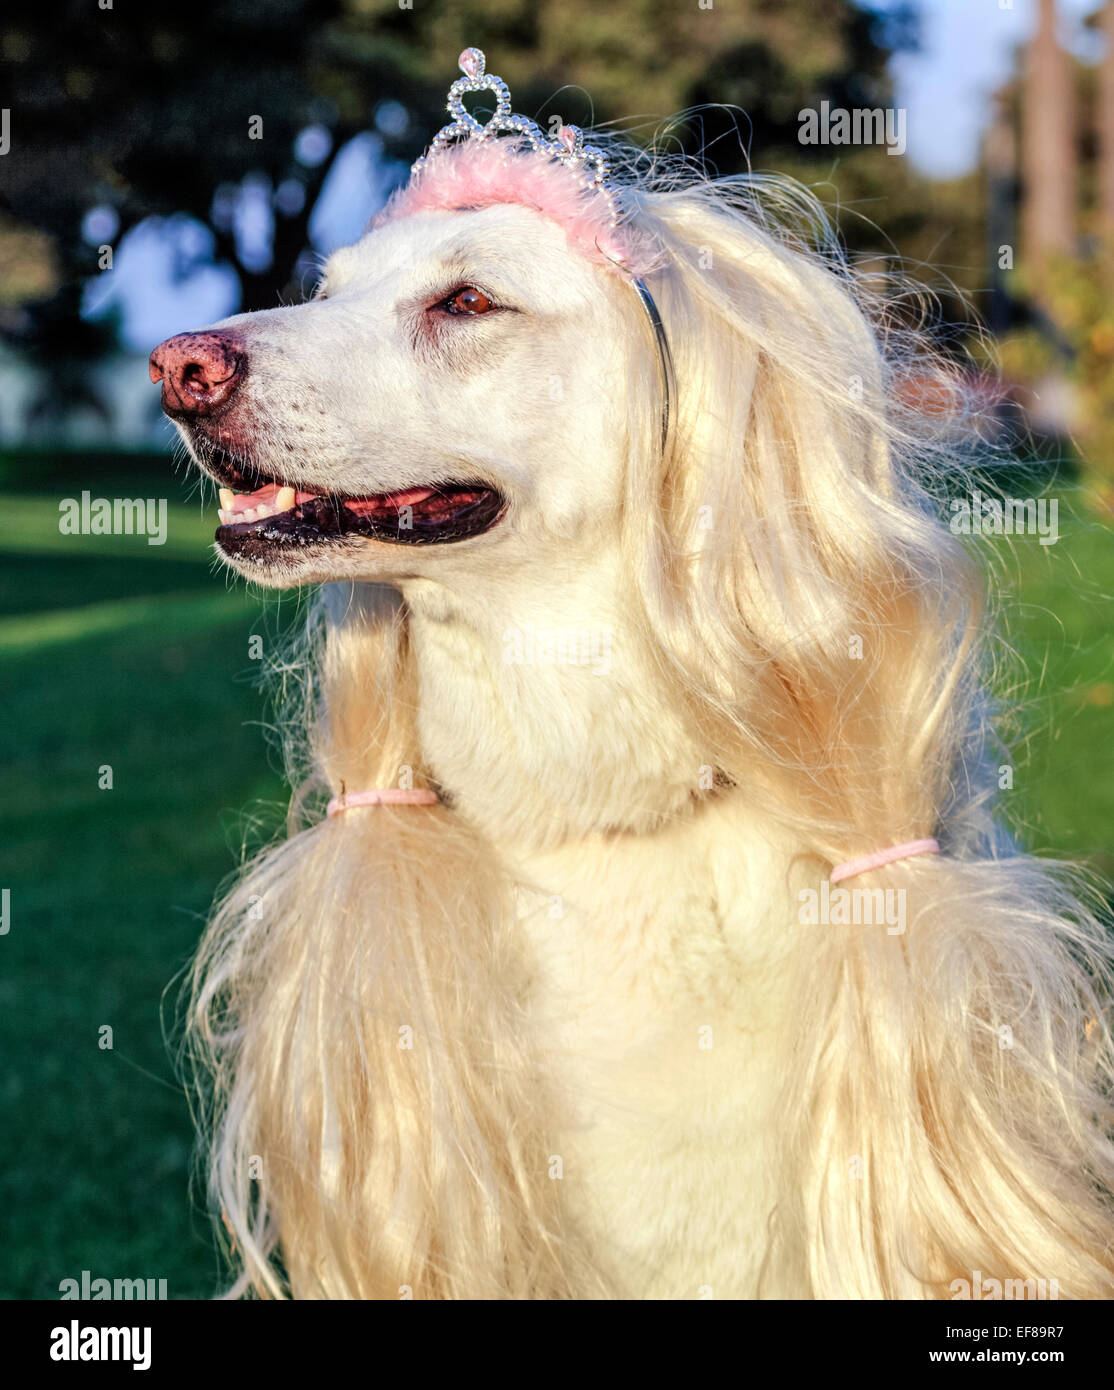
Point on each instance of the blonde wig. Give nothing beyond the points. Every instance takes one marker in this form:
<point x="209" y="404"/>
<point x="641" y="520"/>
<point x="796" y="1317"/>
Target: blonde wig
<point x="378" y="1107"/>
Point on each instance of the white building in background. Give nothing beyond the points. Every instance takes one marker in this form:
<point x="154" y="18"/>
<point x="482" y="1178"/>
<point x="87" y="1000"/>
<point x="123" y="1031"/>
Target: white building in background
<point x="20" y="387"/>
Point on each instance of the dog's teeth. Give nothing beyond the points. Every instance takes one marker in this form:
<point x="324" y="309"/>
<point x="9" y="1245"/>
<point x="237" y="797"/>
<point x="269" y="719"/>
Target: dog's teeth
<point x="284" y="499"/>
<point x="227" y="497"/>
<point x="261" y="511"/>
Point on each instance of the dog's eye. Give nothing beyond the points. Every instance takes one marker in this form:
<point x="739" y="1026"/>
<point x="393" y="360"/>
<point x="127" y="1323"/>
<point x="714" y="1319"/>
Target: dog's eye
<point x="468" y="300"/>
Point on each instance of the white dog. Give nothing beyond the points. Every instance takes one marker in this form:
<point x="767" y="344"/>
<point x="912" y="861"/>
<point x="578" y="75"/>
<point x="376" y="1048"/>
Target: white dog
<point x="598" y="1023"/>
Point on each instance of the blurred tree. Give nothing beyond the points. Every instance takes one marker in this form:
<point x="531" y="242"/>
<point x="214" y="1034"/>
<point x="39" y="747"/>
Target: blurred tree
<point x="1067" y="356"/>
<point x="1058" y="357"/>
<point x="1048" y="144"/>
<point x="1104" y="122"/>
<point x="148" y="110"/>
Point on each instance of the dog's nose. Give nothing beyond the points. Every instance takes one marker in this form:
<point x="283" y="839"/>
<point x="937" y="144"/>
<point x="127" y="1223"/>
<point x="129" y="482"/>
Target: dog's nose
<point x="199" y="372"/>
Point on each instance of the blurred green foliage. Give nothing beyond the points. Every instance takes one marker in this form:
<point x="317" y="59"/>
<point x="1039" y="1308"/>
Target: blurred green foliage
<point x="1072" y="343"/>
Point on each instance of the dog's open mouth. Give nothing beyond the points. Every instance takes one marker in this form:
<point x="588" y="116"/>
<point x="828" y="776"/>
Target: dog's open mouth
<point x="259" y="515"/>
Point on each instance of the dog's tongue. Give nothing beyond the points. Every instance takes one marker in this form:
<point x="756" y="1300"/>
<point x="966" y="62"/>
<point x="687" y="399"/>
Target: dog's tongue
<point x="269" y="496"/>
<point x="387" y="501"/>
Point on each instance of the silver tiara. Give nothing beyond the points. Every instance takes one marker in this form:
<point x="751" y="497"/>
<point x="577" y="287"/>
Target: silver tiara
<point x="569" y="147"/>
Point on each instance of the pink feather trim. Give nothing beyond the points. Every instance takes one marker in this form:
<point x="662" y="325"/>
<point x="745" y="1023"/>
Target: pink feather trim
<point x="480" y="174"/>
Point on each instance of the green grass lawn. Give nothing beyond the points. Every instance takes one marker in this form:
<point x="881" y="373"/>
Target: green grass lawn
<point x="1057" y="617"/>
<point x="113" y="653"/>
<point x="132" y="656"/>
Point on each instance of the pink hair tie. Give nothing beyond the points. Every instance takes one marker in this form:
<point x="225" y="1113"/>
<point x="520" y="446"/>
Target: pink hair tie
<point x="854" y="867"/>
<point x="382" y="796"/>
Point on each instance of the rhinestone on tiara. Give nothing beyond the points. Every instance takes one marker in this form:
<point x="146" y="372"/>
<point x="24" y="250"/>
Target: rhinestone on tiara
<point x="586" y="161"/>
